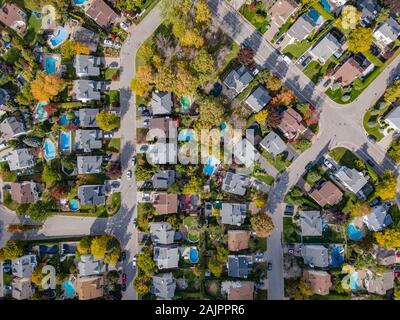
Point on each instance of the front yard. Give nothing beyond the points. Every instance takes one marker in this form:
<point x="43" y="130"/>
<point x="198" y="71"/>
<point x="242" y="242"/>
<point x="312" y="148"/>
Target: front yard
<point x="257" y="15"/>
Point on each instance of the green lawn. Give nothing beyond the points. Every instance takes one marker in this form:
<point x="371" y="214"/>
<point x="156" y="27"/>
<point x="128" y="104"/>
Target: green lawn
<point x="114" y="145"/>
<point x="278" y="162"/>
<point x="256" y="15"/>
<point x="265" y="178"/>
<point x="111" y="73"/>
<point x="191" y="223"/>
<point x="112" y="97"/>
<point x="34" y="25"/>
<point x="374" y="131"/>
<point x="289" y="231"/>
<point x="113" y="203"/>
<point x="315" y="71"/>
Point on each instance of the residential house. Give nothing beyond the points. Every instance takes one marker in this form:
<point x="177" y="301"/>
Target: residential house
<point x="238" y="290"/>
<point x="163" y="128"/>
<point x="351" y="179"/>
<point x="88" y="288"/>
<point x="85" y="36"/>
<point x="91" y="194"/>
<point x="166" y="257"/>
<point x="12" y="128"/>
<point x="258" y="99"/>
<point x="310" y="223"/>
<point x="189" y="203"/>
<point x="280" y="13"/>
<point x="233" y="213"/>
<point x="19" y="159"/>
<point x="87" y="117"/>
<point x="24" y="266"/>
<point x="385" y="257"/>
<point x="164" y="286"/>
<point x="240" y="266"/>
<point x="304" y="26"/>
<point x="369" y="11"/>
<point x="87" y="66"/>
<point x="161" y="103"/>
<point x="380" y="284"/>
<point x="387" y="33"/>
<point x="13" y="17"/>
<point x="315" y="255"/>
<point x="21" y="288"/>
<point x="291" y="124"/>
<point x="87" y="90"/>
<point x="320" y="281"/>
<point x="348" y="72"/>
<point x="4" y="98"/>
<point x="162" y="233"/>
<point x="235" y="183"/>
<point x="238" y="79"/>
<point x="326" y="193"/>
<point x="25" y="192"/>
<point x="393" y="119"/>
<point x="90" y="266"/>
<point x="88" y="140"/>
<point x="162" y="180"/>
<point x="102" y="13"/>
<point x="325" y="48"/>
<point x="378" y="218"/>
<point x="165" y="203"/>
<point x="238" y="240"/>
<point x="273" y="144"/>
<point x="89" y="164"/>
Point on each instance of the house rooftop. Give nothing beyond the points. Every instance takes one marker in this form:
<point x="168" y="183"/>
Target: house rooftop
<point x="13" y="17"/>
<point x="162" y="233"/>
<point x="102" y="13"/>
<point x="10" y="128"/>
<point x="89" y="164"/>
<point x="390" y="29"/>
<point x="238" y="240"/>
<point x="87" y="90"/>
<point x="258" y="99"/>
<point x="326" y="193"/>
<point x="88" y="140"/>
<point x="380" y="284"/>
<point x="89" y="287"/>
<point x="166" y="257"/>
<point x="291" y="124"/>
<point x="235" y="183"/>
<point x="378" y="218"/>
<point x="273" y="144"/>
<point x="351" y="179"/>
<point x="311" y="223"/>
<point x="304" y="25"/>
<point x="315" y="255"/>
<point x="24" y="266"/>
<point x="325" y="48"/>
<point x="161" y="103"/>
<point x="20" y="159"/>
<point x="239" y="266"/>
<point x="91" y="194"/>
<point x="238" y="290"/>
<point x="166" y="125"/>
<point x="165" y="203"/>
<point x="89" y="266"/>
<point x="238" y="79"/>
<point x="21" y="288"/>
<point x="233" y="213"/>
<point x="348" y="72"/>
<point x="85" y="36"/>
<point x="320" y="281"/>
<point x="87" y="66"/>
<point x="164" y="286"/>
<point x="24" y="192"/>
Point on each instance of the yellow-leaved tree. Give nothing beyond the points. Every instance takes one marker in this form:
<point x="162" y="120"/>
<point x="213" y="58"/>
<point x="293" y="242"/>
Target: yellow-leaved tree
<point x="46" y="86"/>
<point x="386" y="189"/>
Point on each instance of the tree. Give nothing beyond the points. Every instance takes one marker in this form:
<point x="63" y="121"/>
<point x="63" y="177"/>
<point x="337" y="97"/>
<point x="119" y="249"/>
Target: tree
<point x="192" y="38"/>
<point x="215" y="267"/>
<point x="145" y="263"/>
<point x="174" y="9"/>
<point x="186" y="83"/>
<point x="273" y="83"/>
<point x="286" y="97"/>
<point x="84" y="245"/>
<point x="389" y="238"/>
<point x="33" y="142"/>
<point x="98" y="246"/>
<point x="211" y="113"/>
<point x="114" y="169"/>
<point x="165" y="79"/>
<point x="46" y="86"/>
<point x="72" y="48"/>
<point x="203" y="65"/>
<point x="360" y="39"/>
<point x="393" y="93"/>
<point x="393" y="5"/>
<point x="222" y="254"/>
<point x="194" y="186"/>
<point x="40" y="210"/>
<point x="51" y="174"/>
<point x="12" y="250"/>
<point x="142" y="284"/>
<point x="360" y="165"/>
<point x="262" y="224"/>
<point x="273" y="118"/>
<point x="299" y="289"/>
<point x="37" y="276"/>
<point x="383" y="15"/>
<point x="360" y="208"/>
<point x="59" y="191"/>
<point x="179" y="28"/>
<point x="203" y="13"/>
<point x="143" y="82"/>
<point x="386" y="189"/>
<point x="113" y="255"/>
<point x="394" y="150"/>
<point x="175" y="222"/>
<point x="107" y="121"/>
<point x="261" y="116"/>
<point x="245" y="56"/>
<point x="349" y="18"/>
<point x="260" y="202"/>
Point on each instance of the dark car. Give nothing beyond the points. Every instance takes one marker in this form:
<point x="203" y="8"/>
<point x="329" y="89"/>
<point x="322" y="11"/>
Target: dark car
<point x="123" y="255"/>
<point x="123" y="277"/>
<point x="374" y="202"/>
<point x="269" y="266"/>
<point x="370" y="163"/>
<point x="123" y="287"/>
<point x="371" y="138"/>
<point x="306" y="61"/>
<point x="279" y="41"/>
<point x="289" y="210"/>
<point x="309" y="166"/>
<point x="246" y="43"/>
<point x="135" y="222"/>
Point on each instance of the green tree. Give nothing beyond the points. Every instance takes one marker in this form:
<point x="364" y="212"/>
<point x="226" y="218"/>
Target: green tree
<point x="394" y="150"/>
<point x="299" y="289"/>
<point x="186" y="83"/>
<point x="194" y="185"/>
<point x="203" y="12"/>
<point x="175" y="222"/>
<point x="143" y="81"/>
<point x="98" y="247"/>
<point x="84" y="245"/>
<point x="113" y="255"/>
<point x="360" y="165"/>
<point x="165" y="79"/>
<point x="203" y="65"/>
<point x="142" y="284"/>
<point x="145" y="263"/>
<point x="12" y="250"/>
<point x="383" y="15"/>
<point x="360" y="39"/>
<point x="262" y="224"/>
<point x="393" y="93"/>
<point x="174" y="9"/>
<point x="40" y="210"/>
<point x="386" y="189"/>
<point x="51" y="173"/>
<point x="360" y="208"/>
<point x="215" y="267"/>
<point x="222" y="254"/>
<point x="211" y="114"/>
<point x="273" y="83"/>
<point x="107" y="121"/>
<point x="389" y="238"/>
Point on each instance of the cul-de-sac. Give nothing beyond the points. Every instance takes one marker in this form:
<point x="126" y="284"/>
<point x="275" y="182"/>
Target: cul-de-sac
<point x="199" y="150"/>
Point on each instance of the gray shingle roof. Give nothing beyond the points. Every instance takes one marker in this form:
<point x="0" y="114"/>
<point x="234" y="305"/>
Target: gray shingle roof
<point x="87" y="90"/>
<point x="164" y="286"/>
<point x="89" y="265"/>
<point x="311" y="223"/>
<point x="24" y="266"/>
<point x="378" y="218"/>
<point x="89" y="164"/>
<point x="87" y="66"/>
<point x="91" y="194"/>
<point x="302" y="27"/>
<point x="235" y="183"/>
<point x="351" y="179"/>
<point x="233" y="213"/>
<point x="11" y="128"/>
<point x="324" y="49"/>
<point x="166" y="257"/>
<point x="87" y="117"/>
<point x="315" y="255"/>
<point x="258" y="99"/>
<point x="390" y="29"/>
<point x="20" y="159"/>
<point x="238" y="79"/>
<point x="273" y="144"/>
<point x="161" y="103"/>
<point x="239" y="266"/>
<point x="162" y="233"/>
<point x="162" y="180"/>
<point x="88" y="140"/>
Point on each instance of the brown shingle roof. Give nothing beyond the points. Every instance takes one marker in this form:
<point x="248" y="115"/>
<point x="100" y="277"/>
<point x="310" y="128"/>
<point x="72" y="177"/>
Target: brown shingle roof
<point x="291" y="124"/>
<point x="166" y="203"/>
<point x="22" y="192"/>
<point x="238" y="240"/>
<point x="243" y="292"/>
<point x="282" y="10"/>
<point x="101" y="12"/>
<point x="320" y="281"/>
<point x="89" y="287"/>
<point x="10" y="13"/>
<point x="348" y="72"/>
<point x="326" y="193"/>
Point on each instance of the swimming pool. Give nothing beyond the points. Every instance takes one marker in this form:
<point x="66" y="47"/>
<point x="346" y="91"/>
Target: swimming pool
<point x="69" y="289"/>
<point x="50" y="65"/>
<point x="354" y="281"/>
<point x="354" y="233"/>
<point x="337" y="256"/>
<point x="314" y="15"/>
<point x="59" y="38"/>
<point x="40" y="114"/>
<point x="187" y="135"/>
<point x="79" y="1"/>
<point x="211" y="165"/>
<point x="63" y="120"/>
<point x="65" y="141"/>
<point x="326" y="5"/>
<point x="186" y="103"/>
<point x="194" y="255"/>
<point x="73" y="205"/>
<point x="49" y="149"/>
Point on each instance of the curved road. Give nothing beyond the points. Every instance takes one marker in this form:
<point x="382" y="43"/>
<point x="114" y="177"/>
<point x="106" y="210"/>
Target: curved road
<point x="339" y="125"/>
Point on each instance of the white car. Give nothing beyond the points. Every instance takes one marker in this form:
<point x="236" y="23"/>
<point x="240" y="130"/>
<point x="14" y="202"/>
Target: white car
<point x="328" y="164"/>
<point x="108" y="42"/>
<point x="287" y="59"/>
<point x="117" y="45"/>
<point x="124" y="25"/>
<point x="3" y="145"/>
<point x="133" y="161"/>
<point x="5" y="158"/>
<point x="134" y="262"/>
<point x="129" y="174"/>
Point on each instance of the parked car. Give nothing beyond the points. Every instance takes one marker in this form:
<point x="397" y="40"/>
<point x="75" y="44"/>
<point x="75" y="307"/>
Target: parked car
<point x="289" y="210"/>
<point x="3" y="145"/>
<point x="6" y="268"/>
<point x="123" y="277"/>
<point x="309" y="166"/>
<point x="396" y="78"/>
<point x="147" y="185"/>
<point x="371" y="163"/>
<point x="287" y="59"/>
<point x="146" y="122"/>
<point x="124" y="25"/>
<point x="144" y="148"/>
<point x="374" y="202"/>
<point x="146" y="196"/>
<point x="108" y="135"/>
<point x="328" y="164"/>
<point x="134" y="262"/>
<point x="301" y="59"/>
<point x="123" y="255"/>
<point x="246" y="43"/>
<point x="269" y="266"/>
<point x="133" y="161"/>
<point x="108" y="42"/>
<point x="129" y="174"/>
<point x="279" y="41"/>
<point x="371" y="138"/>
<point x="135" y="222"/>
<point x="306" y="61"/>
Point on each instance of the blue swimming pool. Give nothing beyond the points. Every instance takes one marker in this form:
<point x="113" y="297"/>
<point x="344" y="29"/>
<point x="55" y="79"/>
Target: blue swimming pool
<point x="59" y="38"/>
<point x="194" y="255"/>
<point x="354" y="233"/>
<point x="49" y="149"/>
<point x="65" y="141"/>
<point x="326" y="5"/>
<point x="40" y="114"/>
<point x="79" y="1"/>
<point x="50" y="65"/>
<point x="69" y="289"/>
<point x="73" y="205"/>
<point x="354" y="281"/>
<point x="63" y="120"/>
<point x="187" y="135"/>
<point x="314" y="15"/>
<point x="337" y="256"/>
<point x="210" y="166"/>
